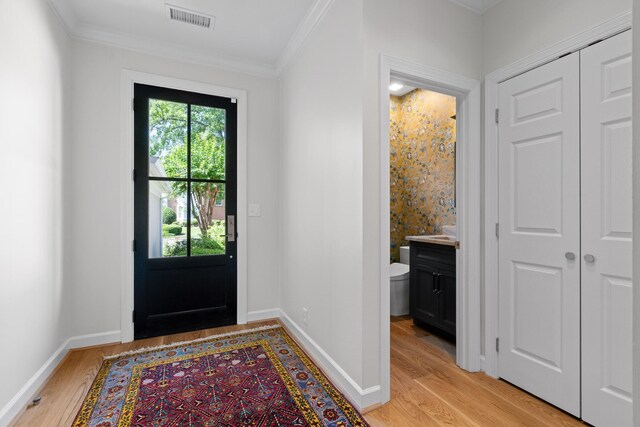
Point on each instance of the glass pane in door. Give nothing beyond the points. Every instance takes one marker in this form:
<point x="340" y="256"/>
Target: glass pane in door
<point x="167" y="220"/>
<point x="208" y="127"/>
<point x="208" y="215"/>
<point x="168" y="133"/>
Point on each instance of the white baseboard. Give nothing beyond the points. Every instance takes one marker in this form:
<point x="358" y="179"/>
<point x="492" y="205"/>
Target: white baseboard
<point x="94" y="339"/>
<point x="361" y="398"/>
<point x="26" y="393"/>
<point x="256" y="316"/>
<point x="16" y="405"/>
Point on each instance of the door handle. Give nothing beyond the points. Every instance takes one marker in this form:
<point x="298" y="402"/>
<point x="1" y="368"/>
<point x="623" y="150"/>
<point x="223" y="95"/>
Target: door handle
<point x="570" y="256"/>
<point x="436" y="283"/>
<point x="590" y="258"/>
<point x="231" y="229"/>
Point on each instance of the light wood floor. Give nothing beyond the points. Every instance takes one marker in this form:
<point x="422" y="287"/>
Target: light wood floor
<point x="427" y="388"/>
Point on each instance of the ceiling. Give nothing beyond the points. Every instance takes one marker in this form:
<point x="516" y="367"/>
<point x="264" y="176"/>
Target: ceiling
<point x="250" y="34"/>
<point x="253" y="36"/>
<point x="402" y="91"/>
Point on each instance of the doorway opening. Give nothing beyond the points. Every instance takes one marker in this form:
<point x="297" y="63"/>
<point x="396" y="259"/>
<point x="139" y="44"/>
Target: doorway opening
<point x="462" y="276"/>
<point x="423" y="226"/>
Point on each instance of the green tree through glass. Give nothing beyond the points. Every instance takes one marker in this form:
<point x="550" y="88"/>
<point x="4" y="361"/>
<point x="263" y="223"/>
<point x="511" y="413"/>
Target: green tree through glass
<point x="167" y="141"/>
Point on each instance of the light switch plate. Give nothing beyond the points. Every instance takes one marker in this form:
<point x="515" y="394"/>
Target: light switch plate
<point x="254" y="210"/>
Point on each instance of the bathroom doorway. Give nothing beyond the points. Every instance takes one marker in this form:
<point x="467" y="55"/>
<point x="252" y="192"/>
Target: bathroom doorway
<point x="430" y="193"/>
<point x="423" y="230"/>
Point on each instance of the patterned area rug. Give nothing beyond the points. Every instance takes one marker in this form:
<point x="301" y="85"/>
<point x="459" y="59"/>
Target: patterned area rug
<point x="252" y="378"/>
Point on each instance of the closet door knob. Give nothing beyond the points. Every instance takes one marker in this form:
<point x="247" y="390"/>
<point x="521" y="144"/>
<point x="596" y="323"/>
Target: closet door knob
<point x="570" y="256"/>
<point x="589" y="258"/>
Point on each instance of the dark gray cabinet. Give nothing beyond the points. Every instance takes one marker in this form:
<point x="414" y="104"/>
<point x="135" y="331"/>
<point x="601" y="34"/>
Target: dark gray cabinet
<point x="433" y="286"/>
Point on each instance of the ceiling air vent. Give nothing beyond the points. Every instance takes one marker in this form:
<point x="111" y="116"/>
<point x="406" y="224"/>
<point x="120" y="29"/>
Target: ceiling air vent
<point x="187" y="16"/>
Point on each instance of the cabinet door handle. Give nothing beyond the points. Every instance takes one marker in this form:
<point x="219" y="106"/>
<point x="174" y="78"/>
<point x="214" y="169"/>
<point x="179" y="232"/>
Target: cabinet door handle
<point x="435" y="282"/>
<point x="439" y="290"/>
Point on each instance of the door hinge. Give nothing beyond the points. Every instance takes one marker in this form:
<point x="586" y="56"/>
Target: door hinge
<point x="497" y="230"/>
<point x="133" y="245"/>
<point x="498" y="345"/>
<point x="133" y="316"/>
<point x="497" y="116"/>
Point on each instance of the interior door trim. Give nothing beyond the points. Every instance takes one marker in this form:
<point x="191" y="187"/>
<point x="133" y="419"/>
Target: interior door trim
<point x="605" y="30"/>
<point x="127" y="81"/>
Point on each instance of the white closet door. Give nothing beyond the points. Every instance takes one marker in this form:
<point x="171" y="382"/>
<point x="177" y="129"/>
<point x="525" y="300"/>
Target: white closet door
<point x="539" y="160"/>
<point x="606" y="232"/>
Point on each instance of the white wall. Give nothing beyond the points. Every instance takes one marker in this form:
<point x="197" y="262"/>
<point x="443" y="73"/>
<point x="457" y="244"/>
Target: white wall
<point x="33" y="88"/>
<point x="92" y="183"/>
<point x="435" y="33"/>
<point x="321" y="182"/>
<point x="514" y="29"/>
<point x="636" y="211"/>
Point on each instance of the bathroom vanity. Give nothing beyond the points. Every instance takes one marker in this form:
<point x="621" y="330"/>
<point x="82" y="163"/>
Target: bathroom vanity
<point x="432" y="282"/>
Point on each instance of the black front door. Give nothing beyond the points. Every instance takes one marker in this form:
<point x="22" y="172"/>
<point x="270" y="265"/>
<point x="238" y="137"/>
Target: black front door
<point x="185" y="210"/>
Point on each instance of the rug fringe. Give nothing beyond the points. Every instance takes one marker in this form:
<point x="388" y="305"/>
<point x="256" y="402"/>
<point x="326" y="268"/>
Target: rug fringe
<point x="181" y="343"/>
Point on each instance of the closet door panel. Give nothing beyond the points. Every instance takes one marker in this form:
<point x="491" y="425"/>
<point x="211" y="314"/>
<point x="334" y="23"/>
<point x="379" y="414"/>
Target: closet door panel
<point x="606" y="232"/>
<point x="539" y="190"/>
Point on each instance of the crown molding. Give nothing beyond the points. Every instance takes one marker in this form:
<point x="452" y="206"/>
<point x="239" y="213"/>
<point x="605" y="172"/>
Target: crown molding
<point x="488" y="4"/>
<point x="477" y="6"/>
<point x="316" y="12"/>
<point x="77" y="31"/>
<point x="65" y="15"/>
<point x="172" y="51"/>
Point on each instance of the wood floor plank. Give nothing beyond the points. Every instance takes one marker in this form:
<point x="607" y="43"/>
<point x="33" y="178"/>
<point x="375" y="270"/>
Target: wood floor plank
<point x="397" y="413"/>
<point x="438" y="409"/>
<point x="547" y="413"/>
<point x="475" y="404"/>
<point x="452" y="388"/>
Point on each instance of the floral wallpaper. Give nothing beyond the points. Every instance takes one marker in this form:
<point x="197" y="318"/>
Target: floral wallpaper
<point x="423" y="139"/>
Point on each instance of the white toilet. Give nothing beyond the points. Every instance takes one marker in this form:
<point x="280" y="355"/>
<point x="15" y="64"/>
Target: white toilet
<point x="399" y="283"/>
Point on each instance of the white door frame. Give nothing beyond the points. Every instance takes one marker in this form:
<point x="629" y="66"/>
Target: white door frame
<point x="468" y="162"/>
<point x="128" y="79"/>
<point x="492" y="80"/>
